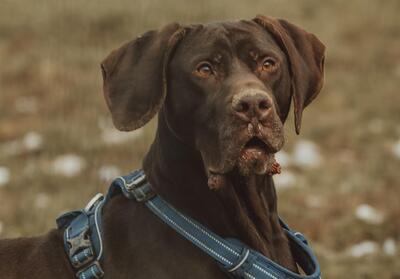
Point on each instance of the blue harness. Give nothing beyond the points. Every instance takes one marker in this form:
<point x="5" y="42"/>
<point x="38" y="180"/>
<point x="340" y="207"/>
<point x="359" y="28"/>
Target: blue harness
<point x="84" y="246"/>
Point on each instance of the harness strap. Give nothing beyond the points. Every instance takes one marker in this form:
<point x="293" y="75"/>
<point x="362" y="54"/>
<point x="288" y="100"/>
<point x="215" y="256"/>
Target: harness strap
<point x="233" y="256"/>
<point x="83" y="237"/>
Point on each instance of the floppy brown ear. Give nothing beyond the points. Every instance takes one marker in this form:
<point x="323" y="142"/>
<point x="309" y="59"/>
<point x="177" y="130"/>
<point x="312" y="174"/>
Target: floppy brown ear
<point x="135" y="77"/>
<point x="305" y="54"/>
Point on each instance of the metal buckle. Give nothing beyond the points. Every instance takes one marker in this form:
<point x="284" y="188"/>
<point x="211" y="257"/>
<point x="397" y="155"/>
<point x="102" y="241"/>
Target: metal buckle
<point x="243" y="259"/>
<point x="82" y="258"/>
<point x="93" y="201"/>
<point x="92" y="271"/>
<point x="78" y="242"/>
<point x="136" y="181"/>
<point x="139" y="187"/>
<point x="143" y="193"/>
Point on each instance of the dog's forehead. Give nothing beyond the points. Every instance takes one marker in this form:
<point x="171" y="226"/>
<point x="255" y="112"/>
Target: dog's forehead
<point x="227" y="36"/>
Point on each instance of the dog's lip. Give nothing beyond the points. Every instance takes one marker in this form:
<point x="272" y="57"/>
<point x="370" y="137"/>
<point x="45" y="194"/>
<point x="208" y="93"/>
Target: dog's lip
<point x="258" y="143"/>
<point x="251" y="142"/>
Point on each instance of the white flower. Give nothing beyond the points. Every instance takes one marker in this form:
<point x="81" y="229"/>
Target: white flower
<point x="396" y="149"/>
<point x="108" y="172"/>
<point x="363" y="249"/>
<point x="68" y="165"/>
<point x="306" y="154"/>
<point x="369" y="214"/>
<point x="4" y="176"/>
<point x="32" y="141"/>
<point x="389" y="247"/>
<point x="283" y="158"/>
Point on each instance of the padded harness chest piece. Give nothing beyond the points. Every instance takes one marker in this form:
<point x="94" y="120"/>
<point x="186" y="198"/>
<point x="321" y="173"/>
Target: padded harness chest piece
<point x="83" y="238"/>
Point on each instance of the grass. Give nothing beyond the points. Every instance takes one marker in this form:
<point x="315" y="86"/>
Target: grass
<point x="50" y="53"/>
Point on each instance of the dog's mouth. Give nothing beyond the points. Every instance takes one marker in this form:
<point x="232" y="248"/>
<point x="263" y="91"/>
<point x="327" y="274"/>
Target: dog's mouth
<point x="256" y="142"/>
<point x="255" y="157"/>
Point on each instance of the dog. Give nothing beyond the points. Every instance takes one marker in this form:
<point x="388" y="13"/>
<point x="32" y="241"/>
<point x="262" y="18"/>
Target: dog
<point x="222" y="92"/>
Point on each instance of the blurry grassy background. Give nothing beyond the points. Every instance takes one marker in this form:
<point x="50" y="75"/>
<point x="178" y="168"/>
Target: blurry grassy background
<point x="51" y="104"/>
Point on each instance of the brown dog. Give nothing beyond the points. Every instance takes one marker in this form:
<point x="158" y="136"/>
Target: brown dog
<point x="223" y="92"/>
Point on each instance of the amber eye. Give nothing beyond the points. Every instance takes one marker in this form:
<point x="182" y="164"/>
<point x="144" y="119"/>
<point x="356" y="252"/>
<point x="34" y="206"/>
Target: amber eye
<point x="268" y="64"/>
<point x="205" y="69"/>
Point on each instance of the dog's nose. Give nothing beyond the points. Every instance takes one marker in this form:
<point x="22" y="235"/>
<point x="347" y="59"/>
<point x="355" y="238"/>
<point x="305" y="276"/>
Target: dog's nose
<point x="251" y="104"/>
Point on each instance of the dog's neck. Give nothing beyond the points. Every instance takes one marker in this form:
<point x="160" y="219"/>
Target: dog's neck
<point x="246" y="208"/>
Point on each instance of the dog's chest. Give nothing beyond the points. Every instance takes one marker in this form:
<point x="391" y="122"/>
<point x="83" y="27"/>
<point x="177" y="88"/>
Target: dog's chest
<point x="139" y="245"/>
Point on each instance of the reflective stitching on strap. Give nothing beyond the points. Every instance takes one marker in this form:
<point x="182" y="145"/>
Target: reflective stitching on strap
<point x="189" y="235"/>
<point x="205" y="232"/>
<point x="250" y="276"/>
<point x="264" y="271"/>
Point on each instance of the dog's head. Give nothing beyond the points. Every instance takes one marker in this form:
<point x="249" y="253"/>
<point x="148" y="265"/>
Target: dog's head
<point x="224" y="88"/>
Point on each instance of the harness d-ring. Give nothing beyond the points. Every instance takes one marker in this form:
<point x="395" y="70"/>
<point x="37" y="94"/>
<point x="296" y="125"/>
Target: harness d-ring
<point x="246" y="255"/>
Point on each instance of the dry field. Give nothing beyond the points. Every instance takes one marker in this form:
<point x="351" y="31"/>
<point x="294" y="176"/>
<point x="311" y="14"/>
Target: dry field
<point x="340" y="183"/>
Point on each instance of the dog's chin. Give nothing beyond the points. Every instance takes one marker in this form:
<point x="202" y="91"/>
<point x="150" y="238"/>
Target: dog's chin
<point x="256" y="158"/>
<point x="255" y="161"/>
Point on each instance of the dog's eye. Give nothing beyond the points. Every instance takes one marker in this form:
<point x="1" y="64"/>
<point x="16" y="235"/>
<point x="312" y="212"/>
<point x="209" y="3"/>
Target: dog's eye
<point x="268" y="64"/>
<point x="205" y="69"/>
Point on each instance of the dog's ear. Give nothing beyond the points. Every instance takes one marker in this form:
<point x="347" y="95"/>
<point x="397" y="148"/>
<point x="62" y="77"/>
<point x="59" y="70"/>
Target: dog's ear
<point x="305" y="54"/>
<point x="135" y="76"/>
